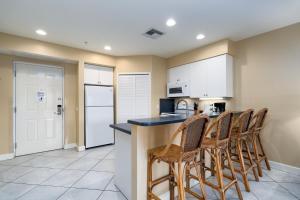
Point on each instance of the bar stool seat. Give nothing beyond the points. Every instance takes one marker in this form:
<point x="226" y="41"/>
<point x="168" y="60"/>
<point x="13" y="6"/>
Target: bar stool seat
<point x="174" y="154"/>
<point x="192" y="133"/>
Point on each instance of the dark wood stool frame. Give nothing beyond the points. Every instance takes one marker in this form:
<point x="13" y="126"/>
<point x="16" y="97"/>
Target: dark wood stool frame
<point x="193" y="130"/>
<point x="238" y="142"/>
<point x="217" y="148"/>
<point x="255" y="129"/>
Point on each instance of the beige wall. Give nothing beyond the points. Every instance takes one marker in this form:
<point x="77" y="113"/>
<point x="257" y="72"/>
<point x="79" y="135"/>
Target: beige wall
<point x="153" y="64"/>
<point x="268" y="75"/>
<point x="208" y="51"/>
<point x="6" y="99"/>
<point x="6" y="116"/>
<point x="14" y="45"/>
<point x="159" y="83"/>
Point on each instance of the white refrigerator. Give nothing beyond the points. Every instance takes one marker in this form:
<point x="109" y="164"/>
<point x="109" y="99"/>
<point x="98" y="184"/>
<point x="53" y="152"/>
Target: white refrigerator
<point x="99" y="114"/>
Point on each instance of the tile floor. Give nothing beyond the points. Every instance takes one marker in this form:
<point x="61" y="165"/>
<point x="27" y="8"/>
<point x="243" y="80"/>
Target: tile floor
<point x="88" y="175"/>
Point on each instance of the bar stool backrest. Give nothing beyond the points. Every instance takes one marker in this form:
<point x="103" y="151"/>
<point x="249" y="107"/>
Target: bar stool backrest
<point x="260" y="118"/>
<point x="224" y="125"/>
<point x="193" y="132"/>
<point x="244" y="121"/>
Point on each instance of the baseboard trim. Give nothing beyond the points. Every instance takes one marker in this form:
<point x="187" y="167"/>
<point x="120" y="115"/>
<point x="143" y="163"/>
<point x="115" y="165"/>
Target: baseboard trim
<point x="7" y="156"/>
<point x="80" y="148"/>
<point x="282" y="164"/>
<point x="70" y="146"/>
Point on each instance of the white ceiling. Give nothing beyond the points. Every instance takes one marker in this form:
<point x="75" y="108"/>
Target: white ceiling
<point x="120" y="23"/>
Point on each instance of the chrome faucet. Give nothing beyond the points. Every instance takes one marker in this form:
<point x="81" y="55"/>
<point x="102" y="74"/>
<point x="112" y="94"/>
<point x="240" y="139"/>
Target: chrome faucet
<point x="186" y="106"/>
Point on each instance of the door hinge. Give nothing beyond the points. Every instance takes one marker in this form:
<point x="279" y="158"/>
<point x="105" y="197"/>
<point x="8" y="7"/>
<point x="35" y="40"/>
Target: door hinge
<point x="15" y="109"/>
<point x="15" y="73"/>
<point x="16" y="145"/>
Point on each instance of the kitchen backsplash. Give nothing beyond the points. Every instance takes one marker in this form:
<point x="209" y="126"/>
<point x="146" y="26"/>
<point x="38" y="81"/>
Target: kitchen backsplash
<point x="201" y="102"/>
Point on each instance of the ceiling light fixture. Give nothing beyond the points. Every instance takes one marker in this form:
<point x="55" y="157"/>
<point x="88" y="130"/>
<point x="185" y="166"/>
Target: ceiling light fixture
<point x="171" y="22"/>
<point x="200" y="37"/>
<point x="107" y="48"/>
<point x="41" y="32"/>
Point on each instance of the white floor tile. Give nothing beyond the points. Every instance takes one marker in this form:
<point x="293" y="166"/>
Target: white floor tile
<point x="111" y="155"/>
<point x="14" y="173"/>
<point x="97" y="154"/>
<point x="17" y="160"/>
<point x="108" y="195"/>
<point x="293" y="188"/>
<point x="83" y="164"/>
<point x="111" y="186"/>
<point x="285" y="168"/>
<point x="105" y="166"/>
<point x="69" y="153"/>
<point x="13" y="191"/>
<point x="4" y="167"/>
<point x="37" y="176"/>
<point x="94" y="180"/>
<point x="281" y="176"/>
<point x="2" y="184"/>
<point x="65" y="178"/>
<point x="80" y="194"/>
<point x="270" y="190"/>
<point x="44" y="193"/>
<point x="210" y="194"/>
<point x="50" y="162"/>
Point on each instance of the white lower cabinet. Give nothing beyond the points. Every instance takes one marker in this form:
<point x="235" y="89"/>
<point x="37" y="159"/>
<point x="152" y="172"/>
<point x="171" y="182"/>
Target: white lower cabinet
<point x="212" y="78"/>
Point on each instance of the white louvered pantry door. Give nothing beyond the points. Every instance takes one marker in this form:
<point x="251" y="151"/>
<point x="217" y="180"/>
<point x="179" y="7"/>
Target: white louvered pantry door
<point x="39" y="94"/>
<point x="134" y="96"/>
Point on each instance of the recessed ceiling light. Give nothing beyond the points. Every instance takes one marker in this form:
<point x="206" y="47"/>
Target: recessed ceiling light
<point x="171" y="22"/>
<point x="200" y="36"/>
<point x="107" y="48"/>
<point x="41" y="32"/>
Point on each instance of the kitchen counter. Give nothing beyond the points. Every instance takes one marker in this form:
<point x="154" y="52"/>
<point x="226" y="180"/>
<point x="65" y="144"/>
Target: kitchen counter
<point x="162" y="120"/>
<point x="132" y="150"/>
<point x="123" y="127"/>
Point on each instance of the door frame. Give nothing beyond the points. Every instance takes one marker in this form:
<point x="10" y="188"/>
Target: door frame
<point x="117" y="90"/>
<point x="14" y="142"/>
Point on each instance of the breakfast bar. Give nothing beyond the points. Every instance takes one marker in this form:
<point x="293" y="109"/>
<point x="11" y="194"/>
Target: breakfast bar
<point x="133" y="140"/>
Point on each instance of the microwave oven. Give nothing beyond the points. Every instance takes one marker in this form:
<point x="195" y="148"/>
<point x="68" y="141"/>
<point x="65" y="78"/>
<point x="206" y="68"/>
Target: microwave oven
<point x="178" y="89"/>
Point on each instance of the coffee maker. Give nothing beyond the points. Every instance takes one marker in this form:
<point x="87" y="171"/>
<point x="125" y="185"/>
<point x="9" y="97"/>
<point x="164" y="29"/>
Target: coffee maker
<point x="219" y="107"/>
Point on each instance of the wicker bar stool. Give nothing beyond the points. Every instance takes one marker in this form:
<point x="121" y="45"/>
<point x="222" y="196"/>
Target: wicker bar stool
<point x="217" y="147"/>
<point x="239" y="141"/>
<point x="192" y="130"/>
<point x="255" y="129"/>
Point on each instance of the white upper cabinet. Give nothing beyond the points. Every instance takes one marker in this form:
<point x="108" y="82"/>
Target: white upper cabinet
<point x="179" y="74"/>
<point x="209" y="78"/>
<point x="98" y="75"/>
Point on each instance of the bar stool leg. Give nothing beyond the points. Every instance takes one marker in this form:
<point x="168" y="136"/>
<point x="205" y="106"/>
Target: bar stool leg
<point x="201" y="184"/>
<point x="181" y="192"/>
<point x="263" y="152"/>
<point x="242" y="164"/>
<point x="256" y="155"/>
<point x="233" y="175"/>
<point x="149" y="177"/>
<point x="219" y="173"/>
<point x="187" y="176"/>
<point x="251" y="160"/>
<point x="171" y="181"/>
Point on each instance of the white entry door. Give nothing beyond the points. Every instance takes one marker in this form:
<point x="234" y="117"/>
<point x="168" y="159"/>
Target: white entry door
<point x="39" y="103"/>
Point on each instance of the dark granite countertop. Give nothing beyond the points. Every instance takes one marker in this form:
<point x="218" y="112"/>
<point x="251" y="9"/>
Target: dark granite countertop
<point x="162" y="120"/>
<point x="124" y="127"/>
